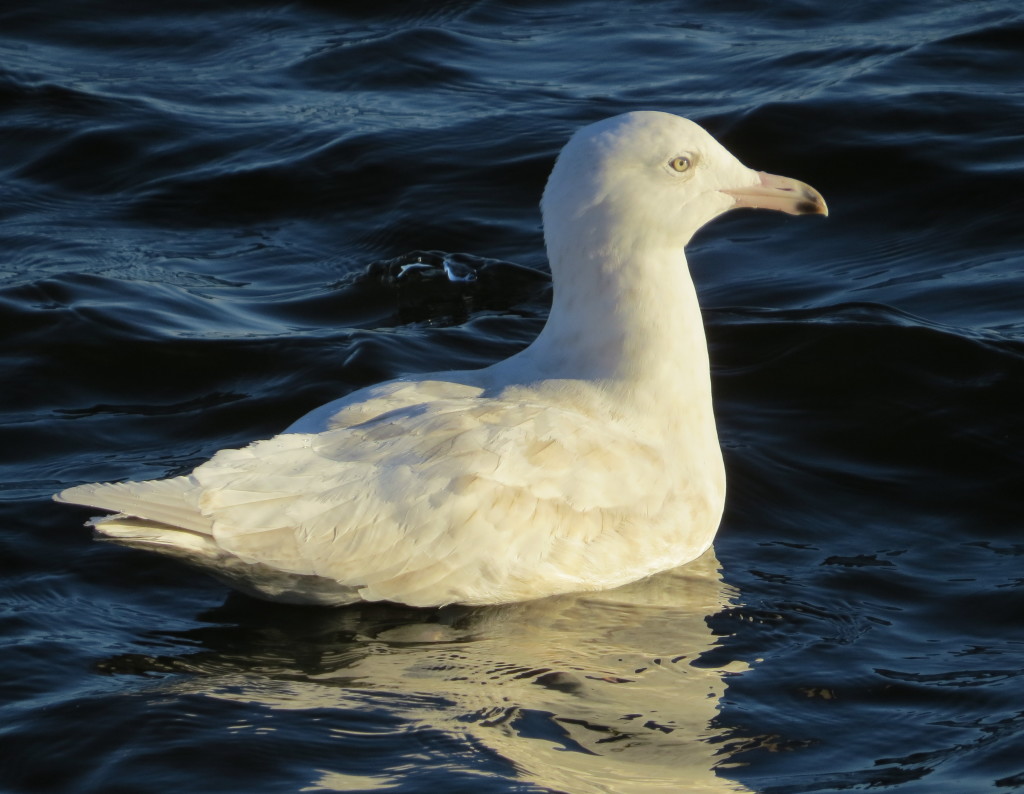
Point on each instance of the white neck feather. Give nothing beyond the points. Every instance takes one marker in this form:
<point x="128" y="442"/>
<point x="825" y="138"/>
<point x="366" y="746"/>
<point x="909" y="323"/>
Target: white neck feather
<point x="625" y="318"/>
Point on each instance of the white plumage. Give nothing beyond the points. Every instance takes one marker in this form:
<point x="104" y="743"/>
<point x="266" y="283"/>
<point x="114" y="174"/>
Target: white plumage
<point x="586" y="461"/>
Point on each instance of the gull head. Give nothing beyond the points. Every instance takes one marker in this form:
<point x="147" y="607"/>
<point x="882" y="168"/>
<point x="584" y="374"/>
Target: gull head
<point x="647" y="179"/>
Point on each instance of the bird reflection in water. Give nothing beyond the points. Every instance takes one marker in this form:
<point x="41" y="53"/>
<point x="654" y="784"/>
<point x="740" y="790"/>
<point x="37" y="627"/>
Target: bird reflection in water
<point x="592" y="692"/>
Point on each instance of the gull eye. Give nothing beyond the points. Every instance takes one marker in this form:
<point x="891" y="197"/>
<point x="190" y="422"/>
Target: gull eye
<point x="680" y="164"/>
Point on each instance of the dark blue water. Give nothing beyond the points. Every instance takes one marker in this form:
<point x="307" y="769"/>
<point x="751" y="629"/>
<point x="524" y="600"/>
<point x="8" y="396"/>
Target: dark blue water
<point x="204" y="209"/>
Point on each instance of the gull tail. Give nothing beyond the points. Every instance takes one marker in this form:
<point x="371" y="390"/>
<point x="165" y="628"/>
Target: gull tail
<point x="156" y="514"/>
<point x="162" y="516"/>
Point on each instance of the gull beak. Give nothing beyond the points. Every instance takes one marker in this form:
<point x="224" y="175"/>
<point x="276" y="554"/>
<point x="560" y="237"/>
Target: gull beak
<point x="780" y="193"/>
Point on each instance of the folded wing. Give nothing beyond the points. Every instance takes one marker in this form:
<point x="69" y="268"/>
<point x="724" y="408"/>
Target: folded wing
<point x="464" y="499"/>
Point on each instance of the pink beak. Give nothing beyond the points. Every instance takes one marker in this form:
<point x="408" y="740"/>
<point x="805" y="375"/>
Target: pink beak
<point x="780" y="193"/>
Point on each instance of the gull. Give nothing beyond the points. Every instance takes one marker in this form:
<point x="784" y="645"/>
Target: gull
<point x="588" y="460"/>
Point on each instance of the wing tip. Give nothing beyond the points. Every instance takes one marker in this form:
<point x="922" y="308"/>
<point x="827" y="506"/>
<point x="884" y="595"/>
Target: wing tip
<point x="81" y="494"/>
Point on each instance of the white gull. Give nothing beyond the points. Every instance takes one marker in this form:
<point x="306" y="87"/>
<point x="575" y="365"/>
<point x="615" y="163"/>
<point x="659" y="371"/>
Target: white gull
<point x="586" y="461"/>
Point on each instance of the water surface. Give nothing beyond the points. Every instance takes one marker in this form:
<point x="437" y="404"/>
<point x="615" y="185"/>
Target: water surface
<point x="204" y="212"/>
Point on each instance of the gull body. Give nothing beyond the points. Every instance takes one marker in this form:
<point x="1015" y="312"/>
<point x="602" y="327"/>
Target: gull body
<point x="586" y="461"/>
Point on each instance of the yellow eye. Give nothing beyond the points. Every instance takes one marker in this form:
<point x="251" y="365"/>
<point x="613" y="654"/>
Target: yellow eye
<point x="680" y="164"/>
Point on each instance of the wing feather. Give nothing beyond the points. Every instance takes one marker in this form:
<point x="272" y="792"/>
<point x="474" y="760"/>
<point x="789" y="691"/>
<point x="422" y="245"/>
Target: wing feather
<point x="441" y="501"/>
<point x="166" y="501"/>
<point x="460" y="498"/>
